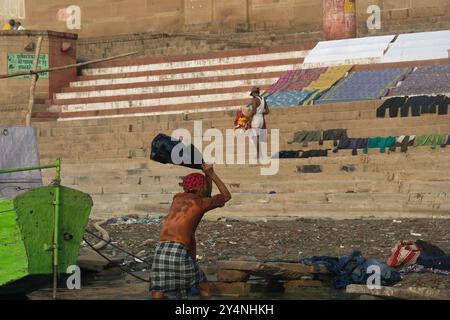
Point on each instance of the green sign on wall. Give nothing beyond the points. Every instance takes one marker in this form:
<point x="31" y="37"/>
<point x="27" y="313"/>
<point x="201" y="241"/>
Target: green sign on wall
<point x="23" y="62"/>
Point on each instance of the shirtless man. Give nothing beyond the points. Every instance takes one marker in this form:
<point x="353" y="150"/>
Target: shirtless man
<point x="175" y="268"/>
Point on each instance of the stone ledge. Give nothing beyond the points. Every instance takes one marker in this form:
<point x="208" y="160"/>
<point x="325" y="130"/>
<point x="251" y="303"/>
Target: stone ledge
<point x="411" y="293"/>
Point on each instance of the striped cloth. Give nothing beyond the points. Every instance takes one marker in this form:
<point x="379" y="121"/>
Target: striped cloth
<point x="404" y="253"/>
<point x="174" y="269"/>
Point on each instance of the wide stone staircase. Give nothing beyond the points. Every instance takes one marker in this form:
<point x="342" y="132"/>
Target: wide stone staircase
<point x="175" y="84"/>
<point x="109" y="159"/>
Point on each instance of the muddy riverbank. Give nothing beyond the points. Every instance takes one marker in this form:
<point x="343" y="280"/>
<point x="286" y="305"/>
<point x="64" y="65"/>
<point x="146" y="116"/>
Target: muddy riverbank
<point x="291" y="241"/>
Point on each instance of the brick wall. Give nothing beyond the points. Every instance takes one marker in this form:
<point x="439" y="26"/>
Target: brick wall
<point x="150" y="44"/>
<point x="402" y="16"/>
<point x="15" y="91"/>
<point x="105" y="17"/>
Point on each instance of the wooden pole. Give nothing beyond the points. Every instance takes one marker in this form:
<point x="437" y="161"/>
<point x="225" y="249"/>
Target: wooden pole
<point x="34" y="79"/>
<point x="32" y="72"/>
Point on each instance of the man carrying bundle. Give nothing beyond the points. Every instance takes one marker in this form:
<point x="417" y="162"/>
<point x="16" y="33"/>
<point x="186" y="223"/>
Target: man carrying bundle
<point x="175" y="269"/>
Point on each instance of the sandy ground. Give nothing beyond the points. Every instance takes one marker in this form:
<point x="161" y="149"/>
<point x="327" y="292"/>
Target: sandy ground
<point x="291" y="240"/>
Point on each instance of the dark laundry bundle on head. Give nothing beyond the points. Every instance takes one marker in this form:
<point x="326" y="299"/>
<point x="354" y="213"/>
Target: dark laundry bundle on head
<point x="161" y="151"/>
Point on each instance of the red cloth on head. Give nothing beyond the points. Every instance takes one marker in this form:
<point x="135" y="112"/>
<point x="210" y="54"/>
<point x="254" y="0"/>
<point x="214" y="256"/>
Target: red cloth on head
<point x="194" y="181"/>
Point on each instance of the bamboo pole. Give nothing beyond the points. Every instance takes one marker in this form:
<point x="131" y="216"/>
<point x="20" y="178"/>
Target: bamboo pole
<point x="5" y="76"/>
<point x="34" y="79"/>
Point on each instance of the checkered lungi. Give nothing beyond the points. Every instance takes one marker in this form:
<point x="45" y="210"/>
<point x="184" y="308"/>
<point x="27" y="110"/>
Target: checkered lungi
<point x="173" y="268"/>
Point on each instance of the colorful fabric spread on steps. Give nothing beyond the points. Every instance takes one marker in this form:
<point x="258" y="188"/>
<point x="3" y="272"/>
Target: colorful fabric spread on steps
<point x="288" y="98"/>
<point x="426" y="80"/>
<point x="296" y="80"/>
<point x="353" y="269"/>
<point x="326" y="80"/>
<point x="432" y="140"/>
<point x="380" y="142"/>
<point x="364" y="85"/>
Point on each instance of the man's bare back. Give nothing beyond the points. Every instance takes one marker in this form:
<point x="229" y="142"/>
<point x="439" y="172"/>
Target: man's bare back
<point x="184" y="216"/>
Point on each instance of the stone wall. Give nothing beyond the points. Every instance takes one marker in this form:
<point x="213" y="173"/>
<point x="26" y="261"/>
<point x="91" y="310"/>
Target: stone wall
<point x="403" y="16"/>
<point x="105" y="17"/>
<point x="149" y="44"/>
<point x="99" y="18"/>
<point x="16" y="90"/>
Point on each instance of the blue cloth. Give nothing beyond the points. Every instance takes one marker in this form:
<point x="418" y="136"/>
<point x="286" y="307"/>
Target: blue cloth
<point x="353" y="269"/>
<point x="435" y="262"/>
<point x="363" y="85"/>
<point x="288" y="98"/>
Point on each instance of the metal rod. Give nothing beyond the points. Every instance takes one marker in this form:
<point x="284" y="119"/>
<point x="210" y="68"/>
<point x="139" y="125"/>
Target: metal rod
<point x="48" y="166"/>
<point x="56" y="228"/>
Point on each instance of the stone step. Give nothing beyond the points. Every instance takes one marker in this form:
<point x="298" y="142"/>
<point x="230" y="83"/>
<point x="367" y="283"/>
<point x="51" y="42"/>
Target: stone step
<point x="288" y="186"/>
<point x="430" y="124"/>
<point x="248" y="51"/>
<point x="120" y="204"/>
<point x="165" y="83"/>
<point x="160" y="92"/>
<point x="184" y="75"/>
<point x="233" y="178"/>
<point x="336" y="161"/>
<point x="297" y="120"/>
<point x="192" y="63"/>
<point x="209" y="115"/>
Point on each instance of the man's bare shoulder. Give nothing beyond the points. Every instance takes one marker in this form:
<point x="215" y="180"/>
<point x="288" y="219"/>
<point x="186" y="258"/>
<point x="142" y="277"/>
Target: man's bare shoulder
<point x="187" y="196"/>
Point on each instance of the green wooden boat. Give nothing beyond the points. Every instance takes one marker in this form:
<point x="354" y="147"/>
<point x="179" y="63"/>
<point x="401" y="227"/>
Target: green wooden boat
<point x="41" y="230"/>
